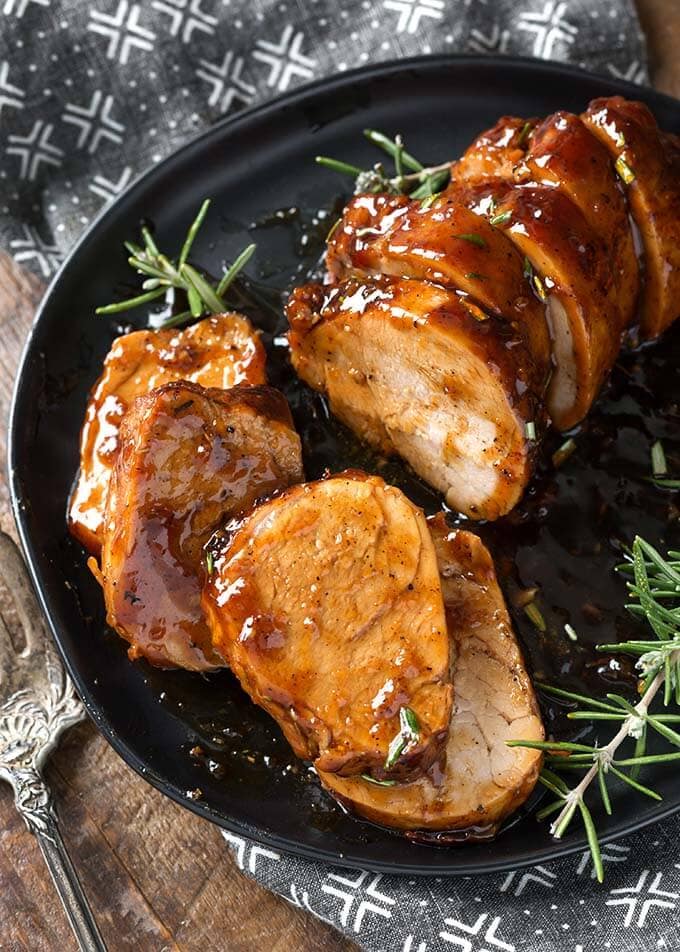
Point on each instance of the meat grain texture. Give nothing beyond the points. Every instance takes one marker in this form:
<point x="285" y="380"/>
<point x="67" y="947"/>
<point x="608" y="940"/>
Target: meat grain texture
<point x="190" y="458"/>
<point x="326" y="603"/>
<point x="479" y="780"/>
<point x="220" y="351"/>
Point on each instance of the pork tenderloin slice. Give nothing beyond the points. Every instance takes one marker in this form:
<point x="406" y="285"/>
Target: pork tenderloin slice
<point x="326" y="604"/>
<point x="648" y="164"/>
<point x="563" y="155"/>
<point x="414" y="369"/>
<point x="189" y="459"/>
<point x="446" y="243"/>
<point x="497" y="151"/>
<point x="569" y="266"/>
<point x="479" y="780"/>
<point x="220" y="351"/>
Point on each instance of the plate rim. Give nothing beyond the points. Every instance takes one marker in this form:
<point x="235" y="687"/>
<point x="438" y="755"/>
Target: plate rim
<point x="383" y="69"/>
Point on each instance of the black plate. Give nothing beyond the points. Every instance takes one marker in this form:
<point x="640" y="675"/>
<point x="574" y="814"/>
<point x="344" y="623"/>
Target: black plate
<point x="251" y="165"/>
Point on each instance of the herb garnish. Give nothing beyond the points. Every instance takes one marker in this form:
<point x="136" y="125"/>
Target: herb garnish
<point x="535" y="616"/>
<point x="530" y="430"/>
<point x="162" y="274"/>
<point x="473" y="238"/>
<point x="653" y="582"/>
<point x="409" y="734"/>
<point x="659" y="464"/>
<point x="625" y="173"/>
<point x="563" y="452"/>
<point x="417" y="182"/>
<point x="209" y="562"/>
<point x="378" y="783"/>
<point x="501" y="218"/>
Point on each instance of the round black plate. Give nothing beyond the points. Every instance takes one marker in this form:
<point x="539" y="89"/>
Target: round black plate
<point x="251" y="165"/>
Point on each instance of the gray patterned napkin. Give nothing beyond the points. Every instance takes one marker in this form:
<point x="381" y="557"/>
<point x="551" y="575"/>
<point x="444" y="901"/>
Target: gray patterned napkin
<point x="91" y="94"/>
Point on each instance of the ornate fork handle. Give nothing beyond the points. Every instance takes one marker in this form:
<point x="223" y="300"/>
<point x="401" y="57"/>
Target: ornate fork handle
<point x="34" y="802"/>
<point x="37" y="703"/>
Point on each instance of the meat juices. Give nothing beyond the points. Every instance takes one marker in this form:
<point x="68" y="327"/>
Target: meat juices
<point x="189" y="459"/>
<point x="326" y="603"/>
<point x="413" y="369"/>
<point x="482" y="779"/>
<point x="220" y="351"/>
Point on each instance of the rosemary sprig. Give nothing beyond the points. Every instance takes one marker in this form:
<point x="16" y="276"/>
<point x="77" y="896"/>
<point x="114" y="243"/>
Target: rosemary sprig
<point x="409" y="734"/>
<point x="653" y="582"/>
<point x="162" y="275"/>
<point x="418" y="182"/>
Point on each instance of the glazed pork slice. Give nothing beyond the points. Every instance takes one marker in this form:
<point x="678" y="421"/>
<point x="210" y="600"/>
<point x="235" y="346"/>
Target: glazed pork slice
<point x="189" y="459"/>
<point x="570" y="267"/>
<point x="479" y="780"/>
<point x="563" y="155"/>
<point x="442" y="241"/>
<point x="220" y="351"/>
<point x="413" y="369"/>
<point x="326" y="604"/>
<point x="648" y="165"/>
<point x="497" y="151"/>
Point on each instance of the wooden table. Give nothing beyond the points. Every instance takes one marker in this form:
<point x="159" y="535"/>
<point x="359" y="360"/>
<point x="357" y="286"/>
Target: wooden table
<point x="157" y="876"/>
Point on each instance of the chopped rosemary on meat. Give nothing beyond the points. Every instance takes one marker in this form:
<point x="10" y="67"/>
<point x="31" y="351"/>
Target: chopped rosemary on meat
<point x="409" y="734"/>
<point x="163" y="275"/>
<point x="524" y="134"/>
<point x="659" y="464"/>
<point x="535" y="616"/>
<point x="653" y="582"/>
<point x="417" y="182"/>
<point x="475" y="276"/>
<point x="378" y="783"/>
<point x="209" y="562"/>
<point x="473" y="238"/>
<point x="563" y="452"/>
<point x="625" y="173"/>
<point x="530" y="430"/>
<point x="571" y="634"/>
<point x="501" y="218"/>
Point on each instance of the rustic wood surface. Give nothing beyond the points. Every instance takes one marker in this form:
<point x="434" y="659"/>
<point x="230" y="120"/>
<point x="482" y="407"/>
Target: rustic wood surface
<point x="158" y="877"/>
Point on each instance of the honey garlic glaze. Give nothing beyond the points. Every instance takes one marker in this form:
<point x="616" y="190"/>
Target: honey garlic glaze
<point x="563" y="540"/>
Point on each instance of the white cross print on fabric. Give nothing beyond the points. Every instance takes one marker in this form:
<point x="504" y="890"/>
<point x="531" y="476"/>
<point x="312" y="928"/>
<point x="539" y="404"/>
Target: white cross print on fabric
<point x="94" y="122"/>
<point x="285" y="59"/>
<point x="123" y="31"/>
<point x="548" y="27"/>
<point x="18" y="7"/>
<point x="108" y="188"/>
<point x="186" y="16"/>
<point x="641" y="898"/>
<point x="11" y="97"/>
<point x="34" y="248"/>
<point x="411" y="12"/>
<point x="368" y="898"/>
<point x="35" y="150"/>
<point x="486" y="941"/>
<point x="226" y="80"/>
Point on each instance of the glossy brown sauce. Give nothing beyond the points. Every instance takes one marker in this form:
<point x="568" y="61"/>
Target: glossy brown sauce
<point x="564" y="539"/>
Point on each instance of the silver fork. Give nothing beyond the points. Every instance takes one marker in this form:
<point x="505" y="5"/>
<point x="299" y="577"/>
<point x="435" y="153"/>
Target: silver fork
<point x="37" y="703"/>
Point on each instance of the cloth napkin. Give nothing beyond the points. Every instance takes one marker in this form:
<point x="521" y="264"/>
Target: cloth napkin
<point x="91" y="94"/>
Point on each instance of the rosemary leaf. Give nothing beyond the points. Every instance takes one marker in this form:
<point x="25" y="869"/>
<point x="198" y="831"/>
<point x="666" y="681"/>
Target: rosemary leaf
<point x="378" y="783"/>
<point x="392" y="148"/>
<point x="203" y="289"/>
<point x="572" y="696"/>
<point x="343" y="167"/>
<point x="238" y="265"/>
<point x="149" y="243"/>
<point x="535" y="616"/>
<point x="604" y="793"/>
<point x="130" y="302"/>
<point x="473" y="238"/>
<point x="634" y="784"/>
<point x="659" y="464"/>
<point x="501" y="218"/>
<point x="191" y="234"/>
<point x="593" y="841"/>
